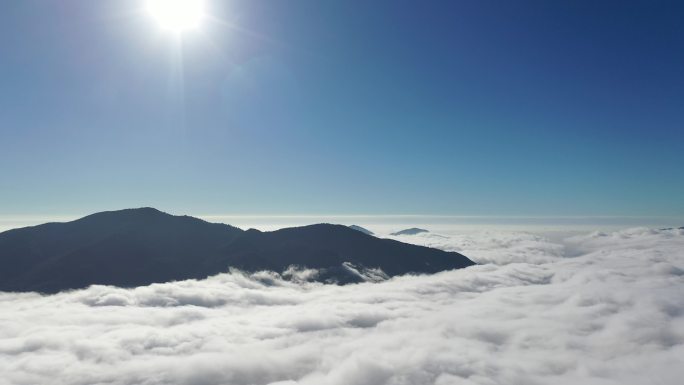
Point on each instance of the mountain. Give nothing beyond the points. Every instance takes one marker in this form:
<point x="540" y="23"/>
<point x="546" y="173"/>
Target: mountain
<point x="411" y="231"/>
<point x="361" y="229"/>
<point x="136" y="247"/>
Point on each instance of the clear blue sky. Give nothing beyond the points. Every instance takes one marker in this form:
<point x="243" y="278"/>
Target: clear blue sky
<point x="345" y="107"/>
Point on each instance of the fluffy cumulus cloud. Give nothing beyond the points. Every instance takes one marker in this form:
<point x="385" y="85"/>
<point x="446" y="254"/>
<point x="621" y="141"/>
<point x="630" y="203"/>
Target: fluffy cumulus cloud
<point x="602" y="308"/>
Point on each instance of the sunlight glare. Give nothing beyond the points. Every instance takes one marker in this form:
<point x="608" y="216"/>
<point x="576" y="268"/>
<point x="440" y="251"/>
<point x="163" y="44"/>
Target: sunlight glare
<point x="177" y="15"/>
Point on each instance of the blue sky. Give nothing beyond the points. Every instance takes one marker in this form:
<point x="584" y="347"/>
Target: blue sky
<point x="345" y="107"/>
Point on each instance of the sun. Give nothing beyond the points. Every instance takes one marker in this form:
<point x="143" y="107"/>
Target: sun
<point x="177" y="15"/>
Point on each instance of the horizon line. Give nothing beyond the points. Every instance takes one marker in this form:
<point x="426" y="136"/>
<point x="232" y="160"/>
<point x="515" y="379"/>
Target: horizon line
<point x="295" y="216"/>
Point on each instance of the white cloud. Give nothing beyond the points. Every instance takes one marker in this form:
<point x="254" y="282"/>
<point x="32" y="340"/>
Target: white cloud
<point x="492" y="247"/>
<point x="611" y="314"/>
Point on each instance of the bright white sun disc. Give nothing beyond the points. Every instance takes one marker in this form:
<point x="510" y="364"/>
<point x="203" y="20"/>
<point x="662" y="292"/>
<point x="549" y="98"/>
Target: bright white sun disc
<point x="176" y="15"/>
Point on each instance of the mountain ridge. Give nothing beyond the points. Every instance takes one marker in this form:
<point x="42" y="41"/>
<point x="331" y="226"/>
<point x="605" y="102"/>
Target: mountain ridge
<point x="134" y="247"/>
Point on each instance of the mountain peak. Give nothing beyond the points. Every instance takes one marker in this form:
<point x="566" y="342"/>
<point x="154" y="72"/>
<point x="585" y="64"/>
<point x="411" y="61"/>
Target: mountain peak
<point x="361" y="229"/>
<point x="133" y="211"/>
<point x="411" y="231"/>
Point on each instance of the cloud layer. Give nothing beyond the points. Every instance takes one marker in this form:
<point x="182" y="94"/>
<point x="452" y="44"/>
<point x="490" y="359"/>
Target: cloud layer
<point x="597" y="309"/>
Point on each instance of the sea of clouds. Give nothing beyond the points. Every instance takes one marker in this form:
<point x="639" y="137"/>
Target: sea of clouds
<point x="598" y="308"/>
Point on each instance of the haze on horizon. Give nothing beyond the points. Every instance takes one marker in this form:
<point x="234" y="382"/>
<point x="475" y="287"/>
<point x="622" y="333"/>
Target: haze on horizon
<point x="385" y="224"/>
<point x="333" y="107"/>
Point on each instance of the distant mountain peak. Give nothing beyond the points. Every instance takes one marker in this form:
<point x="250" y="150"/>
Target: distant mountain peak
<point x="361" y="229"/>
<point x="411" y="231"/>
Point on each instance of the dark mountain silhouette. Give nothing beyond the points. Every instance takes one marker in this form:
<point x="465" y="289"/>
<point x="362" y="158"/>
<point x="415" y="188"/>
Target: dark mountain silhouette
<point x="411" y="231"/>
<point x="361" y="229"/>
<point x="141" y="246"/>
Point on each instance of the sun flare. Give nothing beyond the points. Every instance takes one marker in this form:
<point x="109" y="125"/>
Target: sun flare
<point x="177" y="15"/>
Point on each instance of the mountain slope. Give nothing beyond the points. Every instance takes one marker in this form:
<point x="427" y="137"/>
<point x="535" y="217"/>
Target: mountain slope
<point x="361" y="229"/>
<point x="141" y="246"/>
